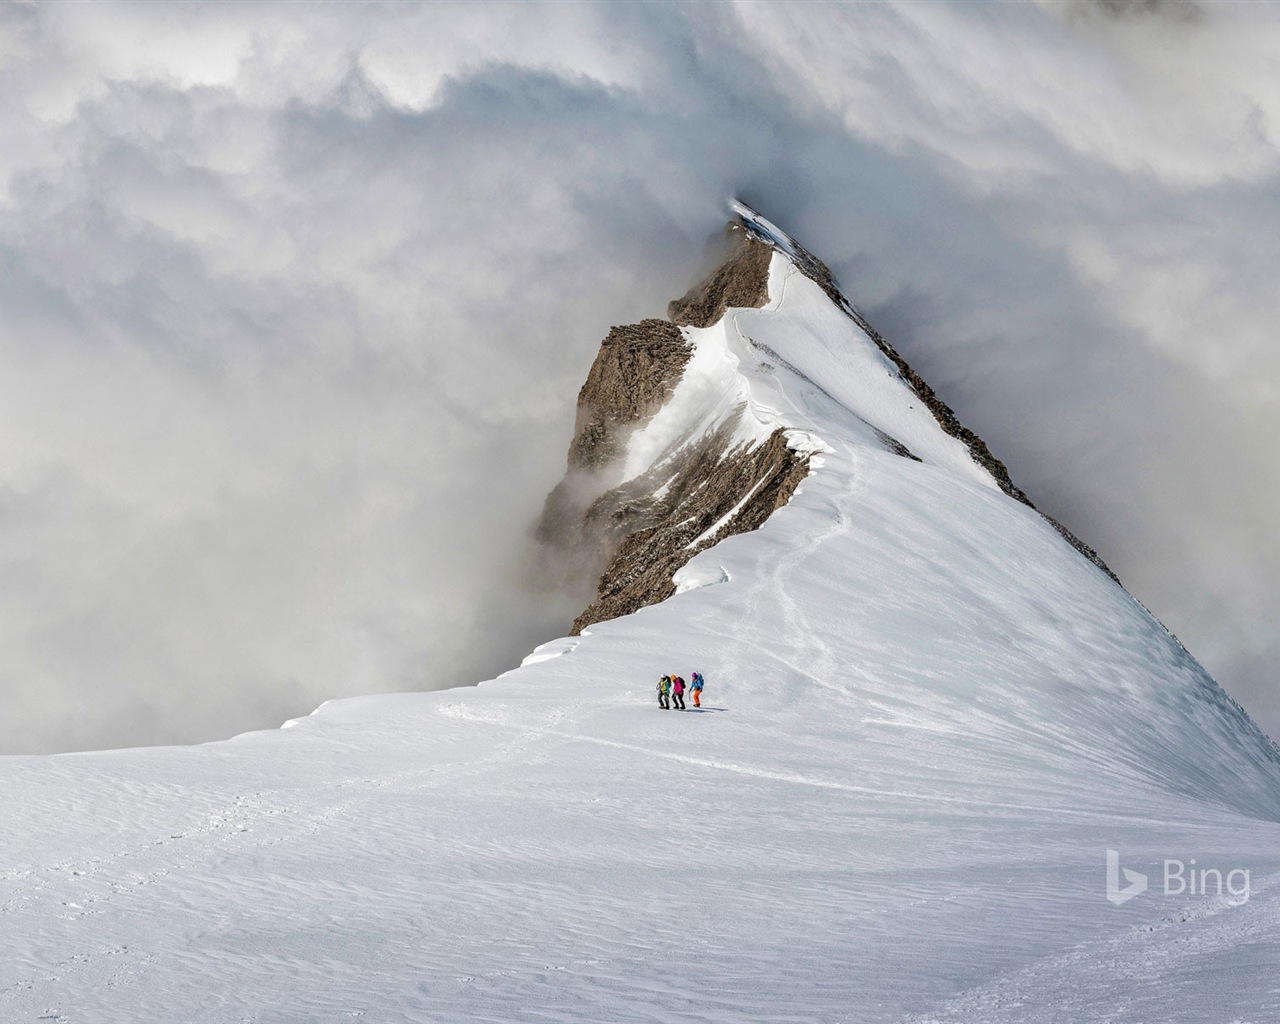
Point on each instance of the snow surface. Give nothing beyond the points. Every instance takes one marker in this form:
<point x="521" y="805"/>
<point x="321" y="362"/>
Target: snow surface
<point x="927" y="719"/>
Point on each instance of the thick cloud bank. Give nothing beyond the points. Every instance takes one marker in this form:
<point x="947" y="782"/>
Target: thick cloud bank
<point x="295" y="301"/>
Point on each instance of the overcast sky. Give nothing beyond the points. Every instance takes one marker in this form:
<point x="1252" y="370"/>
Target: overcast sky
<point x="295" y="302"/>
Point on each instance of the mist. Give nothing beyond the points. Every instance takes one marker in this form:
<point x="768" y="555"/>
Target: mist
<point x="295" y="303"/>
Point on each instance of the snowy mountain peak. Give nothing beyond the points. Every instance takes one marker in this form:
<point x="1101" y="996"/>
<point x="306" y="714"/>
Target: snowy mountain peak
<point x="933" y="741"/>
<point x="818" y="272"/>
<point x="699" y="427"/>
<point x="768" y="399"/>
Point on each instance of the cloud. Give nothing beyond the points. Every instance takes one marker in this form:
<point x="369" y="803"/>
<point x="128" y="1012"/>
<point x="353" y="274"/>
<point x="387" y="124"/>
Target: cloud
<point x="294" y="306"/>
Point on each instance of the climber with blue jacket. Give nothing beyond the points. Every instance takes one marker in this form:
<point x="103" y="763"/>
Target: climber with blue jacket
<point x="695" y="687"/>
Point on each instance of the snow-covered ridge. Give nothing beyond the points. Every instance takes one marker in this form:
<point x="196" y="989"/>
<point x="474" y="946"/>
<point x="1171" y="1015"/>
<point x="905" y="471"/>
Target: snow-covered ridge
<point x="927" y="721"/>
<point x="766" y="336"/>
<point x="818" y="272"/>
<point x="802" y="377"/>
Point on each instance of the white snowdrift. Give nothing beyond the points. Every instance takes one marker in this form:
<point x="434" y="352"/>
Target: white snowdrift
<point x="927" y="720"/>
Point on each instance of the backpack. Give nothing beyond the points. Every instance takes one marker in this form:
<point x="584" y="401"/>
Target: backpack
<point x="679" y="684"/>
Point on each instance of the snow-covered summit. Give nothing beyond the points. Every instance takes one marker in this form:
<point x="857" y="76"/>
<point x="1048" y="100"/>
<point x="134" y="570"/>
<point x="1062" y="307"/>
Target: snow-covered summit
<point x="685" y="436"/>
<point x="928" y="719"/>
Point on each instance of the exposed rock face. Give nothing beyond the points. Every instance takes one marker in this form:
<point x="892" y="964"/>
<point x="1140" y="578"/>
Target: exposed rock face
<point x="634" y="374"/>
<point x="634" y="535"/>
<point x="716" y="492"/>
<point x="741" y="280"/>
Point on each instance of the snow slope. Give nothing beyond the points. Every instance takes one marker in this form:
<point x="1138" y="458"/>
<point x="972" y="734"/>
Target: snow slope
<point x="927" y="720"/>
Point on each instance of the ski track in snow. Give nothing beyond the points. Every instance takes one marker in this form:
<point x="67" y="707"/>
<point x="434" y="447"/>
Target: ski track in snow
<point x="926" y="721"/>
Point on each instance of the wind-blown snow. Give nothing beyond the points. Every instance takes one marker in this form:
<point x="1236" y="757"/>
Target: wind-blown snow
<point x="927" y="720"/>
<point x="711" y="392"/>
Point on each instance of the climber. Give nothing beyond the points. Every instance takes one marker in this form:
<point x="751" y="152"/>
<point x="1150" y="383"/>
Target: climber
<point x="664" y="688"/>
<point x="677" y="692"/>
<point x="695" y="686"/>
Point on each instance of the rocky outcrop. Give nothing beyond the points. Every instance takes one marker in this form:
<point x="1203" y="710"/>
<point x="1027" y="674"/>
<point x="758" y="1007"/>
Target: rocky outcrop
<point x="634" y="374"/>
<point x="630" y="537"/>
<point x="741" y="280"/>
<point x="716" y="491"/>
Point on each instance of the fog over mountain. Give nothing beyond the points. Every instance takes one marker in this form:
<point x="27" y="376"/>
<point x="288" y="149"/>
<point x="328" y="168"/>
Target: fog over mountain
<point x="295" y="303"/>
